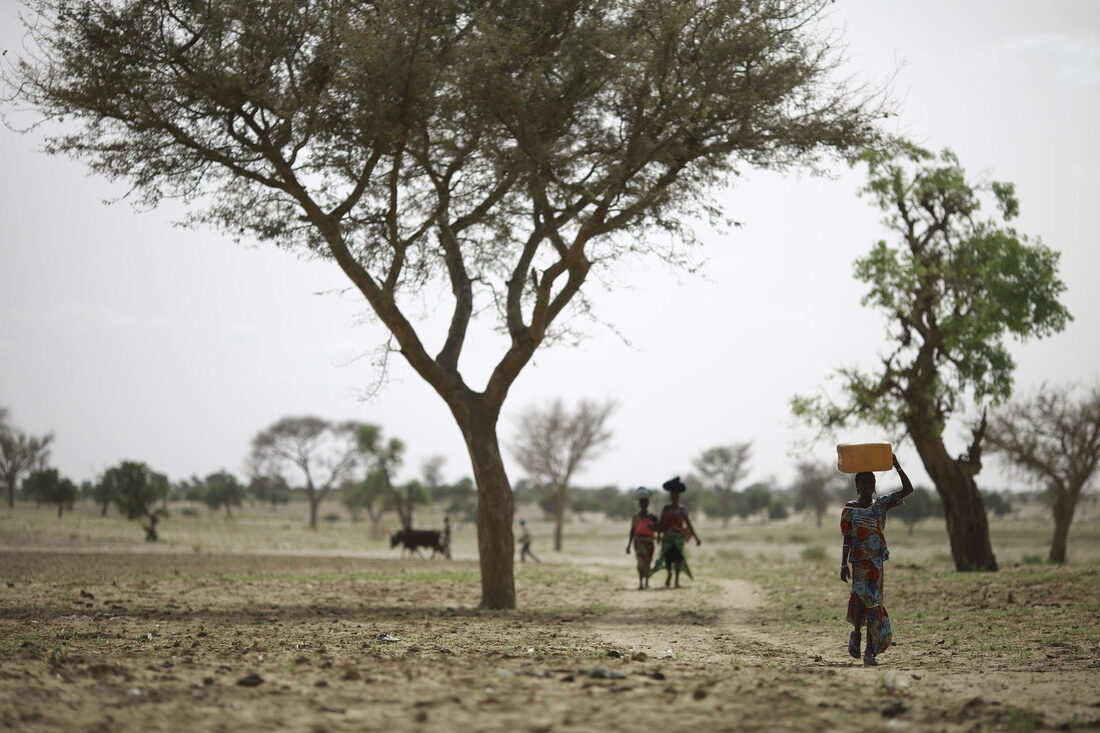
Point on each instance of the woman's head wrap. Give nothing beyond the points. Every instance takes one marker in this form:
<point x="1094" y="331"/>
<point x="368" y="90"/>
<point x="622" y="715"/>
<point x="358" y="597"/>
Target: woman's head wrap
<point x="642" y="493"/>
<point x="674" y="486"/>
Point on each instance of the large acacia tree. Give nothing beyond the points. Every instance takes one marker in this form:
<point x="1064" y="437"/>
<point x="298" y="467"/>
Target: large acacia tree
<point x="501" y="149"/>
<point x="956" y="285"/>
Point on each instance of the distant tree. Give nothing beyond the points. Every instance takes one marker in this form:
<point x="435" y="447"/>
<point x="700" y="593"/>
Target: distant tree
<point x="102" y="495"/>
<point x="49" y="487"/>
<point x="554" y="443"/>
<point x="919" y="505"/>
<point x="1053" y="438"/>
<point x="373" y="494"/>
<point x="136" y="490"/>
<point x="812" y="487"/>
<point x="956" y="287"/>
<point x="408" y="496"/>
<point x="431" y="475"/>
<point x="268" y="490"/>
<point x="322" y="454"/>
<point x="460" y="500"/>
<point x="998" y="502"/>
<point x="222" y="490"/>
<point x="756" y="500"/>
<point x="616" y="504"/>
<point x="193" y="489"/>
<point x="720" y="469"/>
<point x="608" y="501"/>
<point x="777" y="510"/>
<point x="20" y="453"/>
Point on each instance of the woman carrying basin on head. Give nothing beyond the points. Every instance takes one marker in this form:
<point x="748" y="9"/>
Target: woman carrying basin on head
<point x="862" y="522"/>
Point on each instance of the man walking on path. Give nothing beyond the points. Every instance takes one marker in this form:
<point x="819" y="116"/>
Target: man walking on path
<point x="525" y="542"/>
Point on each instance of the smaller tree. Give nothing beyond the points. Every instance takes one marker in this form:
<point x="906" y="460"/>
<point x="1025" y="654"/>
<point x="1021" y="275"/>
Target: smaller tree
<point x="222" y="489"/>
<point x="373" y="494"/>
<point x="268" y="490"/>
<point x="919" y="505"/>
<point x="812" y="486"/>
<point x="1053" y="438"/>
<point x="755" y="500"/>
<point x="136" y="490"/>
<point x="20" y="453"/>
<point x="431" y="475"/>
<point x="721" y="468"/>
<point x="460" y="500"/>
<point x="49" y="487"/>
<point x="553" y="444"/>
<point x="322" y="453"/>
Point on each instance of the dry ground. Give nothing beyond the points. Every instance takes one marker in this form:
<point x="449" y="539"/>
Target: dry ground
<point x="128" y="639"/>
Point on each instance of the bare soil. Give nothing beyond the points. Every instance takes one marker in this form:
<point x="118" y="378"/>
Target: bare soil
<point x="127" y="640"/>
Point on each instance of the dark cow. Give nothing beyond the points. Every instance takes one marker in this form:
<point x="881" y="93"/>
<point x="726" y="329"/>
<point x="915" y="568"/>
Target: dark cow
<point x="413" y="539"/>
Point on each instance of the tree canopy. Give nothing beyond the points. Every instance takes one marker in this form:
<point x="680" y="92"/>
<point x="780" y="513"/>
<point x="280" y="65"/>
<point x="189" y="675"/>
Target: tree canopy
<point x="490" y="151"/>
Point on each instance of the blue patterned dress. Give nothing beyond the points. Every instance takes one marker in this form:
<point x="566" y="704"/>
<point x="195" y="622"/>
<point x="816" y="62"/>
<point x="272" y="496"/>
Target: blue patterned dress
<point x="868" y="553"/>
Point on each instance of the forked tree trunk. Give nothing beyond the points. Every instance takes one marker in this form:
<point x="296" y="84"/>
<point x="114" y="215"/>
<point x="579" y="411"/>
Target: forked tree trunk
<point x="963" y="507"/>
<point x="495" y="541"/>
<point x="1063" y="518"/>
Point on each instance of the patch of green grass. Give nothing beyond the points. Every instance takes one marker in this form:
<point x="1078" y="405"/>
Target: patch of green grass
<point x="813" y="553"/>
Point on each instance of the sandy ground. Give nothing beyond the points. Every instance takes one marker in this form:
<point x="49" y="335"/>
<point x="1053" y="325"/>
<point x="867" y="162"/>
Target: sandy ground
<point x="124" y="641"/>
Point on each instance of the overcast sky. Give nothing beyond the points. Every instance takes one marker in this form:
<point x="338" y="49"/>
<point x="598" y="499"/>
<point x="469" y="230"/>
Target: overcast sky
<point x="130" y="338"/>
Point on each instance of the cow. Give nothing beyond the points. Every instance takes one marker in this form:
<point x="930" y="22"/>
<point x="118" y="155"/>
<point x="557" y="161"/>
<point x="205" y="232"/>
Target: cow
<point x="413" y="539"/>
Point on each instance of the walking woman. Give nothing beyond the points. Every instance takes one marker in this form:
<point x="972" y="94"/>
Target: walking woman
<point x="643" y="529"/>
<point x="862" y="522"/>
<point x="674" y="532"/>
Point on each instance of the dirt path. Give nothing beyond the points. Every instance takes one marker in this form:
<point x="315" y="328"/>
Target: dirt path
<point x="708" y="621"/>
<point x="723" y="625"/>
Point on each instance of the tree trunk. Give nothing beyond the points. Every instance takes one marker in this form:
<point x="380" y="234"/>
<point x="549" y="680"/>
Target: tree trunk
<point x="963" y="508"/>
<point x="1063" y="518"/>
<point x="59" y="508"/>
<point x="559" y="516"/>
<point x="495" y="541"/>
<point x="10" y="480"/>
<point x="151" y="529"/>
<point x="314" y="502"/>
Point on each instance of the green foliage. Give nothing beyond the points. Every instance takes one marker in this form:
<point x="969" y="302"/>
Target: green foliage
<point x="271" y="490"/>
<point x="460" y="499"/>
<point x="222" y="489"/>
<point x="755" y="499"/>
<point x="135" y="490"/>
<point x="998" y="502"/>
<point x="919" y="505"/>
<point x="813" y="553"/>
<point x="49" y="487"/>
<point x="956" y="285"/>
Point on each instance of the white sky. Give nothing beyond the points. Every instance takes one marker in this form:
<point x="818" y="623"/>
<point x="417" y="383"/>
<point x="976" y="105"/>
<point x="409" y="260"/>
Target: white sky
<point x="130" y="338"/>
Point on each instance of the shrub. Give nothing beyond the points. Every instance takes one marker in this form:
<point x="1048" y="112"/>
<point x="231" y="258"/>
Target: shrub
<point x="814" y="553"/>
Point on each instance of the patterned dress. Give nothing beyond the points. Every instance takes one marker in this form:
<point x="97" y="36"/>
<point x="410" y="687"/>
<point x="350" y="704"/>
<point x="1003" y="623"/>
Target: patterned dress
<point x="868" y="553"/>
<point x="674" y="533"/>
<point x="645" y="527"/>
